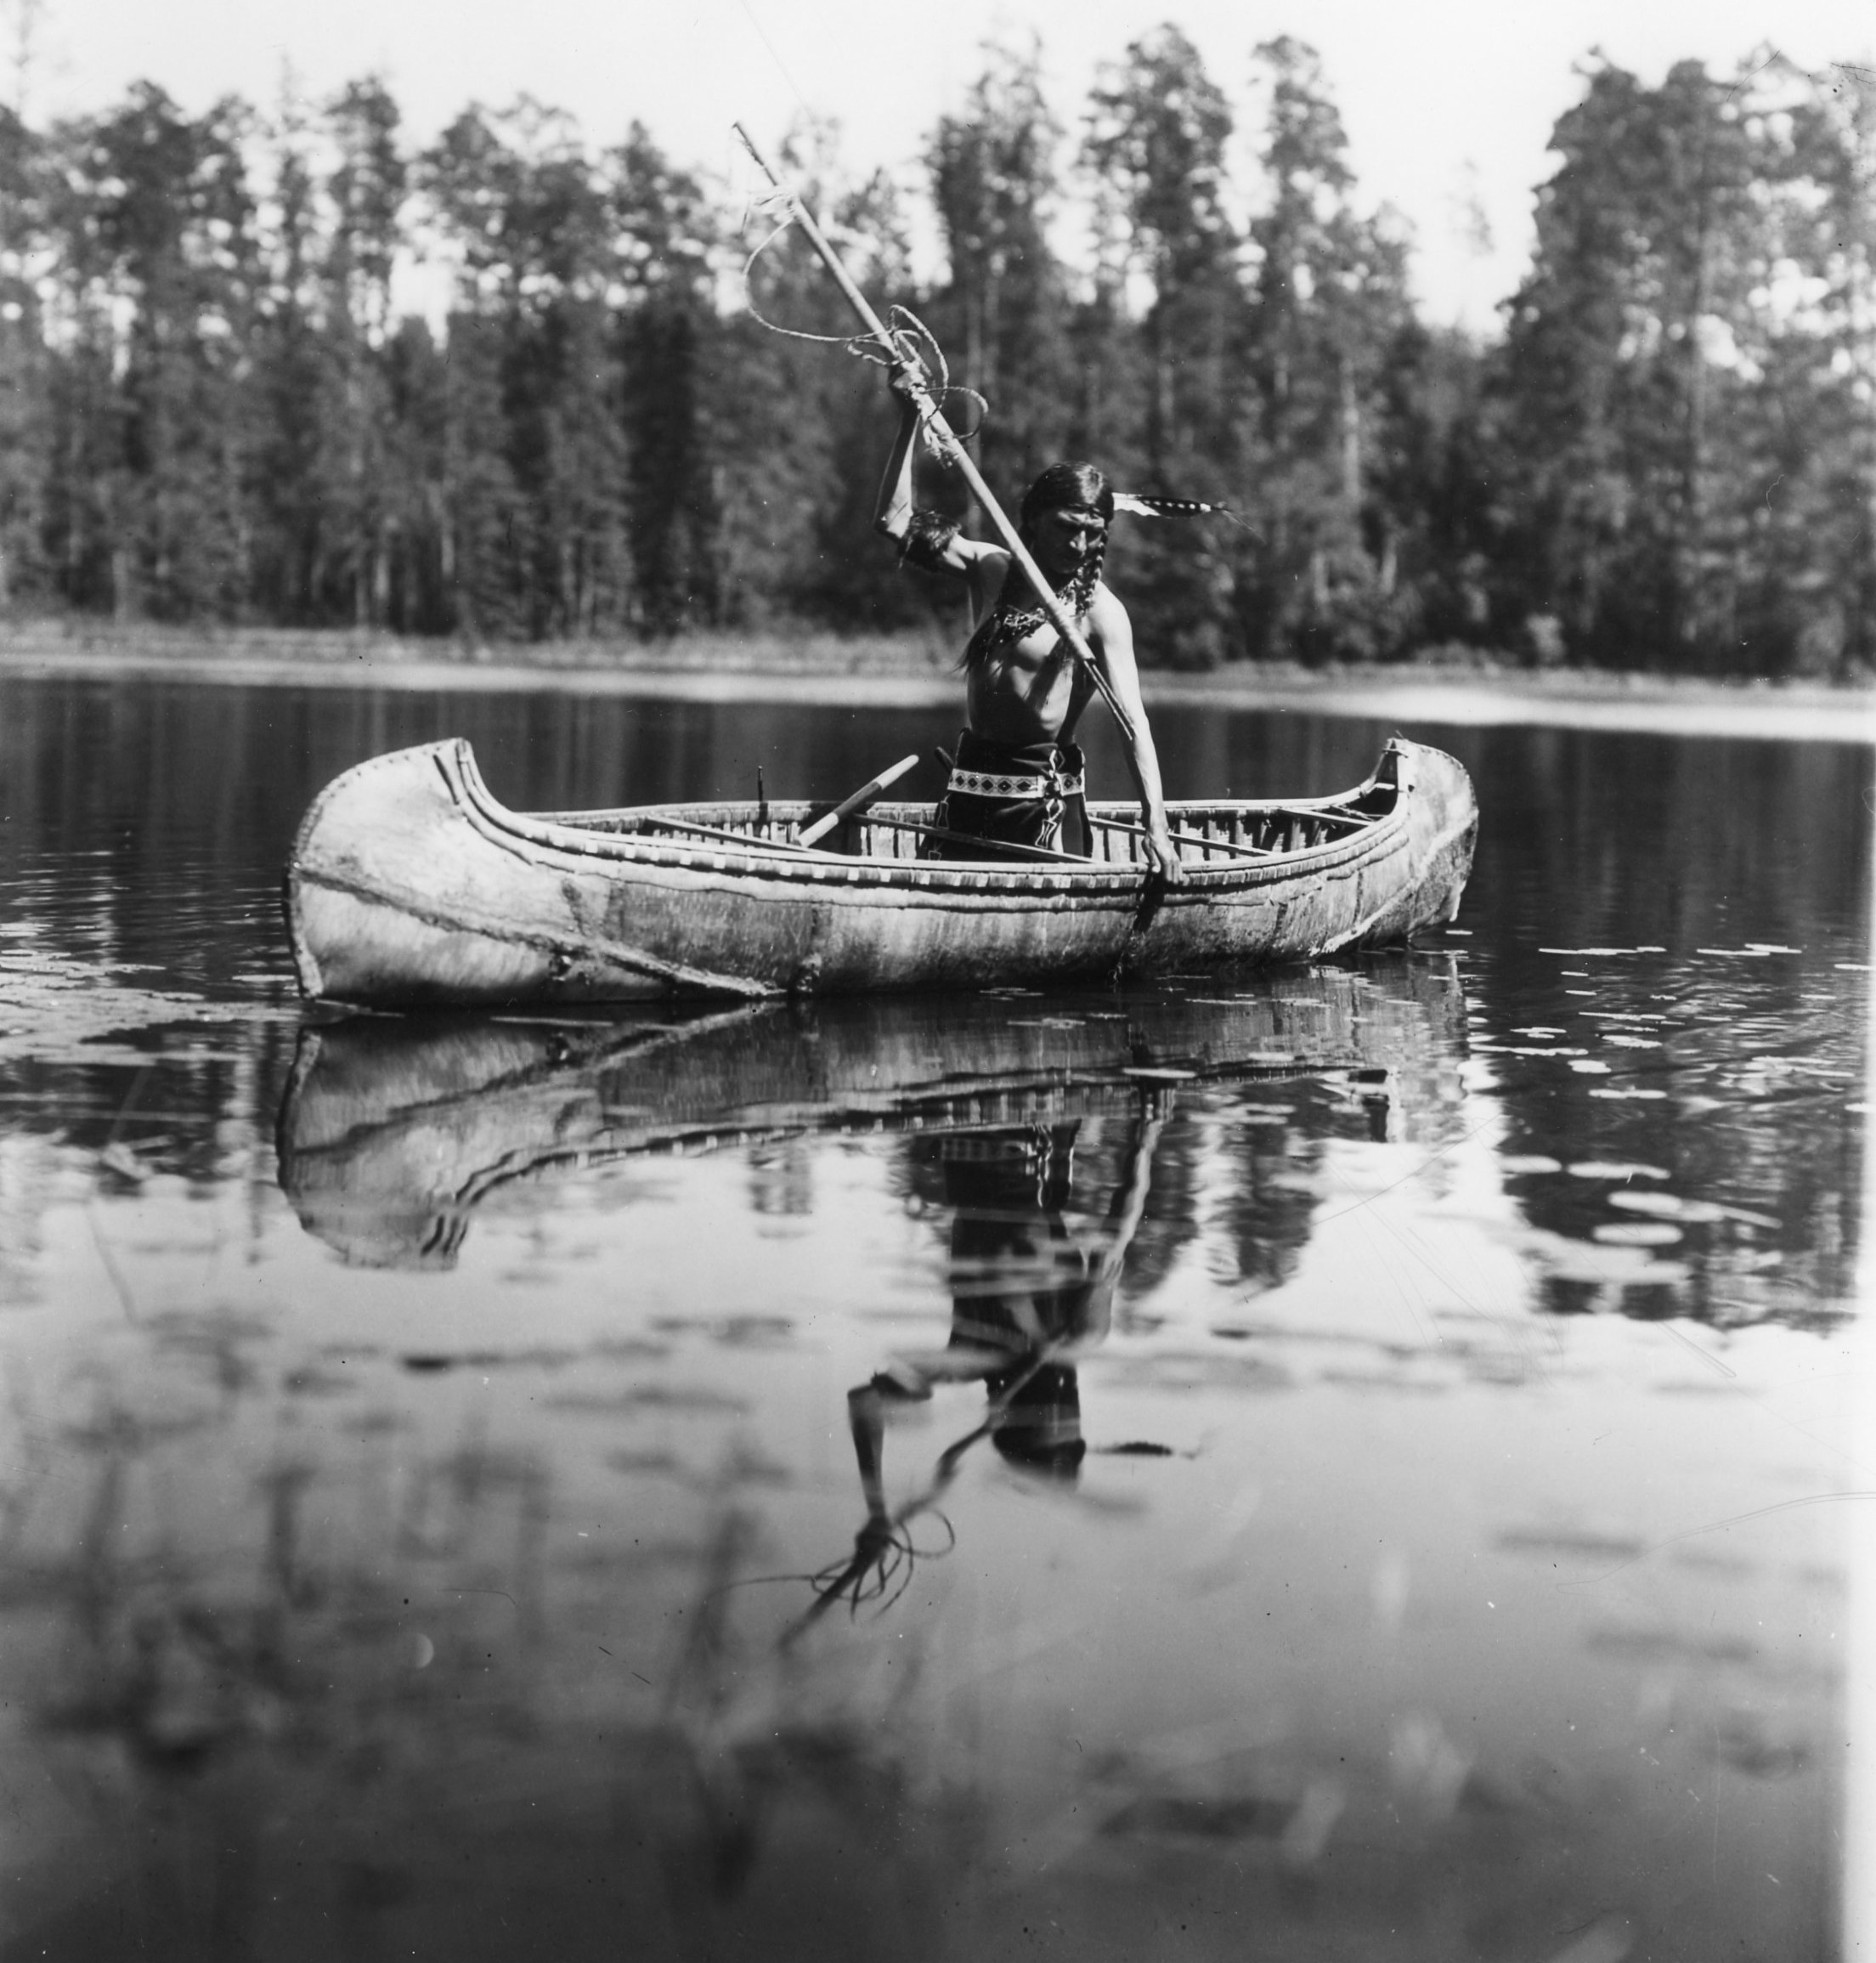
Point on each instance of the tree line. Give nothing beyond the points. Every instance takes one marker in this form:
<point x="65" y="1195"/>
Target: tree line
<point x="213" y="407"/>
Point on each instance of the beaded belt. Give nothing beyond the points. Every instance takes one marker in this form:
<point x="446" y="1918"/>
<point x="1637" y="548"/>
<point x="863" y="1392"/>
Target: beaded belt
<point x="984" y="783"/>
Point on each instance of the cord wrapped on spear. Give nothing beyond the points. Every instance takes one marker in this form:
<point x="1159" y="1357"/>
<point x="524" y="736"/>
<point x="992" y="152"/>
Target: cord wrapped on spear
<point x="1048" y="634"/>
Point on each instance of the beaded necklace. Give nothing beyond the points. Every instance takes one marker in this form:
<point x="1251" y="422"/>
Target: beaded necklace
<point x="1008" y="620"/>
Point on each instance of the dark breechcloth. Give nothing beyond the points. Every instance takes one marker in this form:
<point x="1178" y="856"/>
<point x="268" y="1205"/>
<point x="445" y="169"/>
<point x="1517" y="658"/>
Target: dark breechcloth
<point x="1016" y="792"/>
<point x="1019" y="1279"/>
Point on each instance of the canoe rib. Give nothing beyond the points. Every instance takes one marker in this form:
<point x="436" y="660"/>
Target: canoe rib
<point x="410" y="882"/>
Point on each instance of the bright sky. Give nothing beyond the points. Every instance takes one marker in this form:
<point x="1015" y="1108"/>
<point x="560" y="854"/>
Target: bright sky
<point x="1443" y="101"/>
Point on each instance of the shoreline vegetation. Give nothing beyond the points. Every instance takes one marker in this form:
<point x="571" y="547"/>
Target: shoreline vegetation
<point x="217" y="404"/>
<point x="915" y="668"/>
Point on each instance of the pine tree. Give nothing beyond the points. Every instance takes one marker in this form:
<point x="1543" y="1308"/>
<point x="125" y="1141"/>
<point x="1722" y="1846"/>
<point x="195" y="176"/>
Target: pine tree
<point x="26" y="378"/>
<point x="290" y="383"/>
<point x="853" y="582"/>
<point x="665" y="337"/>
<point x="1329" y="314"/>
<point x="159" y="277"/>
<point x="1679" y="388"/>
<point x="798" y="428"/>
<point x="366" y="190"/>
<point x="536" y="454"/>
<point x="1002" y="313"/>
<point x="1157" y="131"/>
<point x="1820" y="501"/>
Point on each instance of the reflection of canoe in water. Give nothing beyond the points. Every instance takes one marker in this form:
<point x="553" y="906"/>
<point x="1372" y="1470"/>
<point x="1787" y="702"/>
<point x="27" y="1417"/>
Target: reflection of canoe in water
<point x="392" y="1133"/>
<point x="409" y="883"/>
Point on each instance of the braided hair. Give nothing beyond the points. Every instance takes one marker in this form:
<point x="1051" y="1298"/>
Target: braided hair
<point x="1072" y="487"/>
<point x="1061" y="487"/>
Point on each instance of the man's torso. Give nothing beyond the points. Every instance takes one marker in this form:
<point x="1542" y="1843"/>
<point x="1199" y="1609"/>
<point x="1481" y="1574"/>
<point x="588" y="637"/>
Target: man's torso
<point x="1031" y="689"/>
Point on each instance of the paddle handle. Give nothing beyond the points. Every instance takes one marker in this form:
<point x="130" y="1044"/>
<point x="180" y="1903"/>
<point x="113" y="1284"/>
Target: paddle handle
<point x="860" y="799"/>
<point x="946" y="438"/>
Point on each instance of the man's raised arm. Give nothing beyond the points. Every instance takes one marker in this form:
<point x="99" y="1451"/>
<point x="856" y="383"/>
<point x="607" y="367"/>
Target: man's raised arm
<point x="926" y="540"/>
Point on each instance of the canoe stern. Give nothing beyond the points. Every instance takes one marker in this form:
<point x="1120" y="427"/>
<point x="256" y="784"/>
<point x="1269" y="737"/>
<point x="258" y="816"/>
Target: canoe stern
<point x="393" y="896"/>
<point x="1441" y="832"/>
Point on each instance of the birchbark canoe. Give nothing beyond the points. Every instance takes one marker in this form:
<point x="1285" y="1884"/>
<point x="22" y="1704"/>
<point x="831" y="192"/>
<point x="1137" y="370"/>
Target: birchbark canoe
<point x="410" y="885"/>
<point x="396" y="1131"/>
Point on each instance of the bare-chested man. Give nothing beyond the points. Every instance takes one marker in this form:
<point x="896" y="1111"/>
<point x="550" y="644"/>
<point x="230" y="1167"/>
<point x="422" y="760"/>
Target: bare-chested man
<point x="1017" y="771"/>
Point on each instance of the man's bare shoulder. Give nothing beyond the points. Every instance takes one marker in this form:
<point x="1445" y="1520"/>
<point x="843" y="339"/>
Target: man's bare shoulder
<point x="985" y="567"/>
<point x="1105" y="610"/>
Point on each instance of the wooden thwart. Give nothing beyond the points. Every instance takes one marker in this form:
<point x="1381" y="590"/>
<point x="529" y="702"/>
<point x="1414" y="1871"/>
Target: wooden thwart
<point x="1331" y="817"/>
<point x="971" y="838"/>
<point x="691" y="827"/>
<point x="1181" y="838"/>
<point x="652" y="827"/>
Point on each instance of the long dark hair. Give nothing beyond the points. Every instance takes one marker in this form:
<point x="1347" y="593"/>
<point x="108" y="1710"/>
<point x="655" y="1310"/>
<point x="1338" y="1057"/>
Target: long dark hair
<point x="1062" y="487"/>
<point x="1072" y="487"/>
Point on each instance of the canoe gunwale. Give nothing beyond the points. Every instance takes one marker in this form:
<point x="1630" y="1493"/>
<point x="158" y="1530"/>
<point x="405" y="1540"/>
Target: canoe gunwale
<point x="529" y="835"/>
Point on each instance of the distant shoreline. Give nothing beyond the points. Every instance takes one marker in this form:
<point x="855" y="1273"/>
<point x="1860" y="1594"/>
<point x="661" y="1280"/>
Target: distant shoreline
<point x="913" y="672"/>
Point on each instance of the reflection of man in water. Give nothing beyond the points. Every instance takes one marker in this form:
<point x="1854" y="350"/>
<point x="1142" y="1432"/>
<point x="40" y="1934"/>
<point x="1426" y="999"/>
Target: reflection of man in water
<point x="1032" y="1282"/>
<point x="1031" y="1289"/>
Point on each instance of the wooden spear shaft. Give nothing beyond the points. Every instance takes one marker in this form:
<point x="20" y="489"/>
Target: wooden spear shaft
<point x="945" y="439"/>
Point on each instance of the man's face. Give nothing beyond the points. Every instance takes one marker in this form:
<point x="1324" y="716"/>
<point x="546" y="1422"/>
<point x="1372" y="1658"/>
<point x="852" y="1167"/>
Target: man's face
<point x="1064" y="538"/>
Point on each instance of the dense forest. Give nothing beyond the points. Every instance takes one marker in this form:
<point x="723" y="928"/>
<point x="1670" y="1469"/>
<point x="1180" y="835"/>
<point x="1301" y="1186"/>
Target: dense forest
<point x="213" y="407"/>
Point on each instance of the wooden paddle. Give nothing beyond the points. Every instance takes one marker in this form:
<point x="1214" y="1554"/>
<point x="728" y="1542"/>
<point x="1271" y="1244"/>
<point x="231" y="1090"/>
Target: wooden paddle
<point x="849" y="806"/>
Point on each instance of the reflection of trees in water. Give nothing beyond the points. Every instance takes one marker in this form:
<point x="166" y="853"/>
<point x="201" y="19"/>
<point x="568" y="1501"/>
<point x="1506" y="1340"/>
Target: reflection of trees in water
<point x="1607" y="841"/>
<point x="1172" y="1216"/>
<point x="169" y="1109"/>
<point x="1274" y="1148"/>
<point x="1751" y="1166"/>
<point x="1792" y="1258"/>
<point x="1243" y="1167"/>
<point x="1259" y="1182"/>
<point x="1589" y="835"/>
<point x="193" y="1103"/>
<point x="1270" y="1199"/>
<point x="781" y="1178"/>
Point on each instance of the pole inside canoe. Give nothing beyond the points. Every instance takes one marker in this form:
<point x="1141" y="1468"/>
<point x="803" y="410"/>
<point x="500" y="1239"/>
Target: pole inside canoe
<point x="858" y="802"/>
<point x="945" y="439"/>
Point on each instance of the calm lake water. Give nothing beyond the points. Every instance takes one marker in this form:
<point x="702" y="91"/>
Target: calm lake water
<point x="1331" y="1464"/>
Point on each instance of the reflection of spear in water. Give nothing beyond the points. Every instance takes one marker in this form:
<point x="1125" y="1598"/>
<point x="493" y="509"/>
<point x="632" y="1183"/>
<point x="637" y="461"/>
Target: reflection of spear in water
<point x="884" y="1554"/>
<point x="880" y="1568"/>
